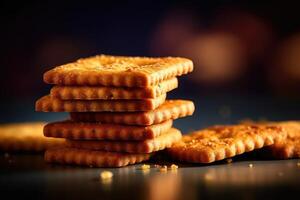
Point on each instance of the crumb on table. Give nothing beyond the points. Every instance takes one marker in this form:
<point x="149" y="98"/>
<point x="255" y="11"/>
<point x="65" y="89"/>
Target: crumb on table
<point x="106" y="175"/>
<point x="174" y="167"/>
<point x="145" y="167"/>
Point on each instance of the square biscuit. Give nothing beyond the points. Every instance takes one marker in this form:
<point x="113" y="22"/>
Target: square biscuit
<point x="98" y="131"/>
<point x="48" y="104"/>
<point x="91" y="158"/>
<point x="284" y="149"/>
<point x="26" y="137"/>
<point x="146" y="146"/>
<point x="290" y="147"/>
<point x="220" y="142"/>
<point x="102" y="92"/>
<point x="170" y="109"/>
<point x="119" y="71"/>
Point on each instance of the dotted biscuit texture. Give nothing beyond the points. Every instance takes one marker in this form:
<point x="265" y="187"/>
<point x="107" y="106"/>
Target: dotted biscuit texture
<point x="93" y="158"/>
<point x="170" y="109"/>
<point x="119" y="71"/>
<point x="98" y="92"/>
<point x="98" y="131"/>
<point x="26" y="137"/>
<point x="147" y="146"/>
<point x="290" y="147"/>
<point x="220" y="142"/>
<point x="48" y="104"/>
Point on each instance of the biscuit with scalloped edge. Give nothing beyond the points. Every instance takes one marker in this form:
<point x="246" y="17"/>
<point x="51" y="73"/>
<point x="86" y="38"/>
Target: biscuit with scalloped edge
<point x="91" y="158"/>
<point x="290" y="147"/>
<point x="98" y="131"/>
<point x="146" y="146"/>
<point x="220" y="142"/>
<point x="119" y="71"/>
<point x="170" y="109"/>
<point x="102" y="92"/>
<point x="48" y="104"/>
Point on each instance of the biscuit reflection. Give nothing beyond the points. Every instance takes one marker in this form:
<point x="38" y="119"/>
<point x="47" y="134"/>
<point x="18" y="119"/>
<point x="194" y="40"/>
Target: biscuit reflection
<point x="164" y="186"/>
<point x="245" y="175"/>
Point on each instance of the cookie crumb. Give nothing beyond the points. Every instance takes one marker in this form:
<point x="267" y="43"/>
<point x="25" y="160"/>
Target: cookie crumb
<point x="250" y="165"/>
<point x="145" y="167"/>
<point x="229" y="160"/>
<point x="106" y="175"/>
<point x="298" y="164"/>
<point x="174" y="167"/>
<point x="163" y="168"/>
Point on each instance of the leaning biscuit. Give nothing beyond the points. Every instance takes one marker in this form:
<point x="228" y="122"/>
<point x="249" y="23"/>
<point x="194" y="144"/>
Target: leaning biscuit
<point x="290" y="147"/>
<point x="220" y="142"/>
<point x="93" y="158"/>
<point x="101" y="92"/>
<point x="285" y="149"/>
<point x="48" y="104"/>
<point x="26" y="137"/>
<point x="119" y="71"/>
<point x="98" y="131"/>
<point x="170" y="109"/>
<point x="146" y="146"/>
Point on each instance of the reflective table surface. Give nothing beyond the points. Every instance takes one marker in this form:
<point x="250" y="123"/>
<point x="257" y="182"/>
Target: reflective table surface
<point x="27" y="176"/>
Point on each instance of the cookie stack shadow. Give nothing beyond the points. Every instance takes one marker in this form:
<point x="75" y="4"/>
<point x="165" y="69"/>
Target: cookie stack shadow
<point x="119" y="114"/>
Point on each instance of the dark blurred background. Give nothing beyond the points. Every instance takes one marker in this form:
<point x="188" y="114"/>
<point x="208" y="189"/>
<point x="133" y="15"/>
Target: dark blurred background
<point x="246" y="54"/>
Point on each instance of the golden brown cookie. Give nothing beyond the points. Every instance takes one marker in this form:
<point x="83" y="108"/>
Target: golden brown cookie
<point x="26" y="137"/>
<point x="220" y="142"/>
<point x="170" y="109"/>
<point x="93" y="158"/>
<point x="98" y="131"/>
<point x="48" y="104"/>
<point x="98" y="92"/>
<point x="119" y="71"/>
<point x="290" y="147"/>
<point x="147" y="146"/>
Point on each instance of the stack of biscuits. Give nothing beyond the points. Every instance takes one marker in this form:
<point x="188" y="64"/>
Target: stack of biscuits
<point x="119" y="114"/>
